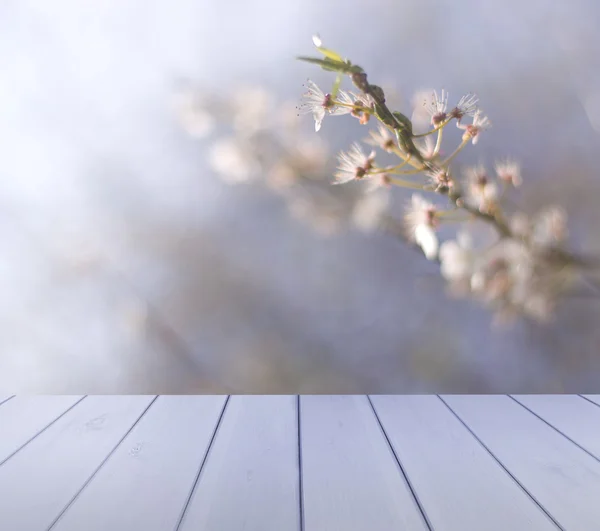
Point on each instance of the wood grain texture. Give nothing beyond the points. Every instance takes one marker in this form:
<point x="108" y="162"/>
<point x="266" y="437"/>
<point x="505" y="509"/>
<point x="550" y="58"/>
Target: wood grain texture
<point x="352" y="463"/>
<point x="24" y="417"/>
<point x="40" y="480"/>
<point x="145" y="482"/>
<point x="563" y="478"/>
<point x="459" y="484"/>
<point x="572" y="415"/>
<point x="250" y="478"/>
<point x="351" y="479"/>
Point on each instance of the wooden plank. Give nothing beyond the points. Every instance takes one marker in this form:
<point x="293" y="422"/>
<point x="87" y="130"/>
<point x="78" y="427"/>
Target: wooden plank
<point x="250" y="479"/>
<point x="572" y="415"/>
<point x="351" y="480"/>
<point x="562" y="477"/>
<point x="593" y="398"/>
<point x="458" y="483"/>
<point x="145" y="483"/>
<point x="40" y="480"/>
<point x="25" y="417"/>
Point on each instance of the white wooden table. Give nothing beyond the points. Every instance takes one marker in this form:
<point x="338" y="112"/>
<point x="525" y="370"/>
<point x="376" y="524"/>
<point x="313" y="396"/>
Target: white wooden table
<point x="309" y="463"/>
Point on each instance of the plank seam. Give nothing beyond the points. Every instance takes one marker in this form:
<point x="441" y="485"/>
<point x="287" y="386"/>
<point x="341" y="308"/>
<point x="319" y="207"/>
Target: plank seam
<point x="401" y="467"/>
<point x="202" y="463"/>
<point x="590" y="401"/>
<point x="495" y="458"/>
<point x="300" y="466"/>
<point x="556" y="429"/>
<point x="40" y="431"/>
<point x="95" y="472"/>
<point x="6" y="399"/>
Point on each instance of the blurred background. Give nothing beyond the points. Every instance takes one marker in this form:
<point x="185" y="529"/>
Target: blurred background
<point x="127" y="265"/>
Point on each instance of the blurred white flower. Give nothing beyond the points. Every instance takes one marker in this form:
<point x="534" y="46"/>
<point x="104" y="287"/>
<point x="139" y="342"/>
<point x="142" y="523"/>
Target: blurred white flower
<point x="520" y="225"/>
<point x="354" y="164"/>
<point x="481" y="191"/>
<point x="420" y="221"/>
<point x="281" y="176"/>
<point x="369" y="210"/>
<point x="309" y="155"/>
<point x="299" y="207"/>
<point x="376" y="181"/>
<point x="232" y="161"/>
<point x="426" y="239"/>
<point x="550" y="227"/>
<point x="251" y="105"/>
<point x="457" y="258"/>
<point x="540" y="306"/>
<point x="504" y="272"/>
<point x="509" y="171"/>
<point x="420" y="212"/>
<point x="326" y="224"/>
<point x="192" y="110"/>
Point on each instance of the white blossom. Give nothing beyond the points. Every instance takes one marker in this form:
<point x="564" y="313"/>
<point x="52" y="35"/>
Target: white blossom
<point x="364" y="100"/>
<point x="382" y="138"/>
<point x="436" y="107"/>
<point x="353" y="164"/>
<point x="440" y="179"/>
<point x="318" y="103"/>
<point x="360" y="102"/>
<point x="472" y="131"/>
<point x="347" y="98"/>
<point x="466" y="106"/>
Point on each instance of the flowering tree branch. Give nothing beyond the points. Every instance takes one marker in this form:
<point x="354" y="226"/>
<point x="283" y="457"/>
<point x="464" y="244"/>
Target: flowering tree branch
<point x="516" y="264"/>
<point x="524" y="269"/>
